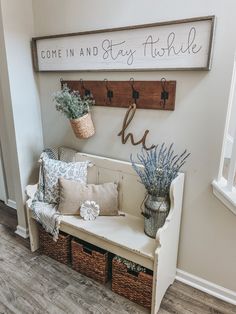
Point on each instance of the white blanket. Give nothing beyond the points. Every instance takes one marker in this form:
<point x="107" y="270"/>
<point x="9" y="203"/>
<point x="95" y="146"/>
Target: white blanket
<point x="48" y="216"/>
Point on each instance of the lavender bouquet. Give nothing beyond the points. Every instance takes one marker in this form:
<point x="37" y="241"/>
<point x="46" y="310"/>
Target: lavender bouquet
<point x="160" y="167"/>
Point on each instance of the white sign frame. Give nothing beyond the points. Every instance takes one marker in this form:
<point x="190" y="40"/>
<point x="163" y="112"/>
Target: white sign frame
<point x="175" y="45"/>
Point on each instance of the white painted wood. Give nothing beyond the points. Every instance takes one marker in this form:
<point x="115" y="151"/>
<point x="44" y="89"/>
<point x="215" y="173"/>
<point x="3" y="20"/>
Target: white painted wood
<point x="124" y="232"/>
<point x="228" y="146"/>
<point x="227" y="197"/>
<point x="32" y="224"/>
<point x="11" y="204"/>
<point x="170" y="45"/>
<point x="231" y="103"/>
<point x="110" y="170"/>
<point x="124" y="235"/>
<point x="22" y="232"/>
<point x="232" y="165"/>
<point x="3" y="194"/>
<point x="207" y="286"/>
<point x="167" y="251"/>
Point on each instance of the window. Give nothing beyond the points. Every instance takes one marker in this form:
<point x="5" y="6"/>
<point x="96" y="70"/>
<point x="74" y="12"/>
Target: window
<point x="225" y="185"/>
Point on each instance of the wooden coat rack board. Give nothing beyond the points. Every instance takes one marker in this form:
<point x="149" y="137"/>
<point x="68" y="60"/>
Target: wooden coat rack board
<point x="149" y="94"/>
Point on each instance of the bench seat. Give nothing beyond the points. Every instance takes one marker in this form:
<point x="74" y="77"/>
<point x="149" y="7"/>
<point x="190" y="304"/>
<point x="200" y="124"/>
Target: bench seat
<point x="121" y="235"/>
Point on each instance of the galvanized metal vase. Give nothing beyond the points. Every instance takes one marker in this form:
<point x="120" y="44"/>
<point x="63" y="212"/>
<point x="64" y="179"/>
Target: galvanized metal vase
<point x="155" y="211"/>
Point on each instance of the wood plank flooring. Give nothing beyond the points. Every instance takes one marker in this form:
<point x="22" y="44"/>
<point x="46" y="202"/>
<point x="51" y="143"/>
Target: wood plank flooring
<point x="32" y="283"/>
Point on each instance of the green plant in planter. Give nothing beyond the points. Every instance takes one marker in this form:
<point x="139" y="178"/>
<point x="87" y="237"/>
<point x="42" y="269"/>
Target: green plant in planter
<point x="71" y="104"/>
<point x="130" y="265"/>
<point x="77" y="109"/>
<point x="160" y="167"/>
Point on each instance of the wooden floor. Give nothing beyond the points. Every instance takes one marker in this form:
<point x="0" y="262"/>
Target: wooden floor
<point x="31" y="283"/>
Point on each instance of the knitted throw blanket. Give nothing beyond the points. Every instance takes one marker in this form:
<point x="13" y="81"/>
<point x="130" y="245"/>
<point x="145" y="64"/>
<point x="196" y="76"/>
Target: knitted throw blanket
<point x="48" y="216"/>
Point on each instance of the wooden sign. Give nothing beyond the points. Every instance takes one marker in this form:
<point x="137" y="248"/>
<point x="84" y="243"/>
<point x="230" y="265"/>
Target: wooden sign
<point x="184" y="44"/>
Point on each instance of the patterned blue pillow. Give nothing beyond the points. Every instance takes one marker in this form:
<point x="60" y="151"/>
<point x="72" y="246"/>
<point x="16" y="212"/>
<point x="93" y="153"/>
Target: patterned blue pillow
<point x="66" y="154"/>
<point x="55" y="169"/>
<point x="50" y="153"/>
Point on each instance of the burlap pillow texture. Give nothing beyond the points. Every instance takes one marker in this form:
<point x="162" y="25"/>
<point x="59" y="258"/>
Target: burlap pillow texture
<point x="73" y="194"/>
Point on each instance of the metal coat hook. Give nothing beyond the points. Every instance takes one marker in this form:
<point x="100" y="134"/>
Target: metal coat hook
<point x="62" y="84"/>
<point x="86" y="91"/>
<point x="135" y="93"/>
<point x="109" y="91"/>
<point x="164" y="93"/>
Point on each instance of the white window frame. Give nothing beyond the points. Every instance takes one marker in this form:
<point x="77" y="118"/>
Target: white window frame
<point x="223" y="188"/>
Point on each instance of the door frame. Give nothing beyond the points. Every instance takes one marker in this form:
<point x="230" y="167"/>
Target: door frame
<point x="3" y="176"/>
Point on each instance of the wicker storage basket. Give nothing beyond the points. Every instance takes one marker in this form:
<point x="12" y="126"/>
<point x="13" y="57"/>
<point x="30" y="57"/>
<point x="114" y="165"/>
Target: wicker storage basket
<point x="83" y="127"/>
<point x="59" y="250"/>
<point x="136" y="287"/>
<point x="90" y="260"/>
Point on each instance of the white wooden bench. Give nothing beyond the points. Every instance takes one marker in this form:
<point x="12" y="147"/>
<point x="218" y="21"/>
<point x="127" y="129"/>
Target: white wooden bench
<point x="124" y="235"/>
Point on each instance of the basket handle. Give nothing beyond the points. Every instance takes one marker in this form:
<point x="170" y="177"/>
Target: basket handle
<point x="133" y="272"/>
<point x="87" y="250"/>
<point x="142" y="209"/>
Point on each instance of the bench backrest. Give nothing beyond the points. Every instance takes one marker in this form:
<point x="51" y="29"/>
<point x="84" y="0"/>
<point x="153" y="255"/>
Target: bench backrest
<point x="131" y="191"/>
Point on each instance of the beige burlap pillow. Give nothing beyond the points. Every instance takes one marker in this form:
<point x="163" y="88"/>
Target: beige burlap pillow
<point x="73" y="194"/>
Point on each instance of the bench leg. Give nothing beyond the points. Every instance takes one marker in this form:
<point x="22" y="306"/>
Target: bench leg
<point x="33" y="232"/>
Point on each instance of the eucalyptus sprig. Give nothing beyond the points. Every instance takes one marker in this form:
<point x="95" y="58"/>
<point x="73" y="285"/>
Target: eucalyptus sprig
<point x="160" y="167"/>
<point x="72" y="104"/>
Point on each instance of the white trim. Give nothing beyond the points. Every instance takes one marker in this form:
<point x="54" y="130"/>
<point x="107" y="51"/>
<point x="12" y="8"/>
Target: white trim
<point x="229" y="145"/>
<point x="11" y="203"/>
<point x="227" y="197"/>
<point x="2" y="178"/>
<point x="227" y="122"/>
<point x="206" y="286"/>
<point x="22" y="232"/>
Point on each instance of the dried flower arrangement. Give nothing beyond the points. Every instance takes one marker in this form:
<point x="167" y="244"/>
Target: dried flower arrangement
<point x="77" y="109"/>
<point x="130" y="265"/>
<point x="160" y="167"/>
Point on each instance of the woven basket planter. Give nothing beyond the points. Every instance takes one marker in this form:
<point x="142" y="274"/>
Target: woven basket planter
<point x="136" y="287"/>
<point x="90" y="260"/>
<point x="59" y="250"/>
<point x="83" y="127"/>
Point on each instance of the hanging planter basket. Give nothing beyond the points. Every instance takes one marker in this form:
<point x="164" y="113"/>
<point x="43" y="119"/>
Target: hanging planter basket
<point x="83" y="127"/>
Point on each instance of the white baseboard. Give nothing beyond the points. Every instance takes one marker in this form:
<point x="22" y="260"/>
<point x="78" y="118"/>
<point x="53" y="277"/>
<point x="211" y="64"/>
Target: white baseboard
<point x="11" y="204"/>
<point x="23" y="232"/>
<point x="206" y="286"/>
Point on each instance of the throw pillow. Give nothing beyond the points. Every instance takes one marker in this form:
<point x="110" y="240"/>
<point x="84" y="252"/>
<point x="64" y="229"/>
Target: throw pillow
<point x="51" y="153"/>
<point x="73" y="194"/>
<point x="67" y="154"/>
<point x="55" y="169"/>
